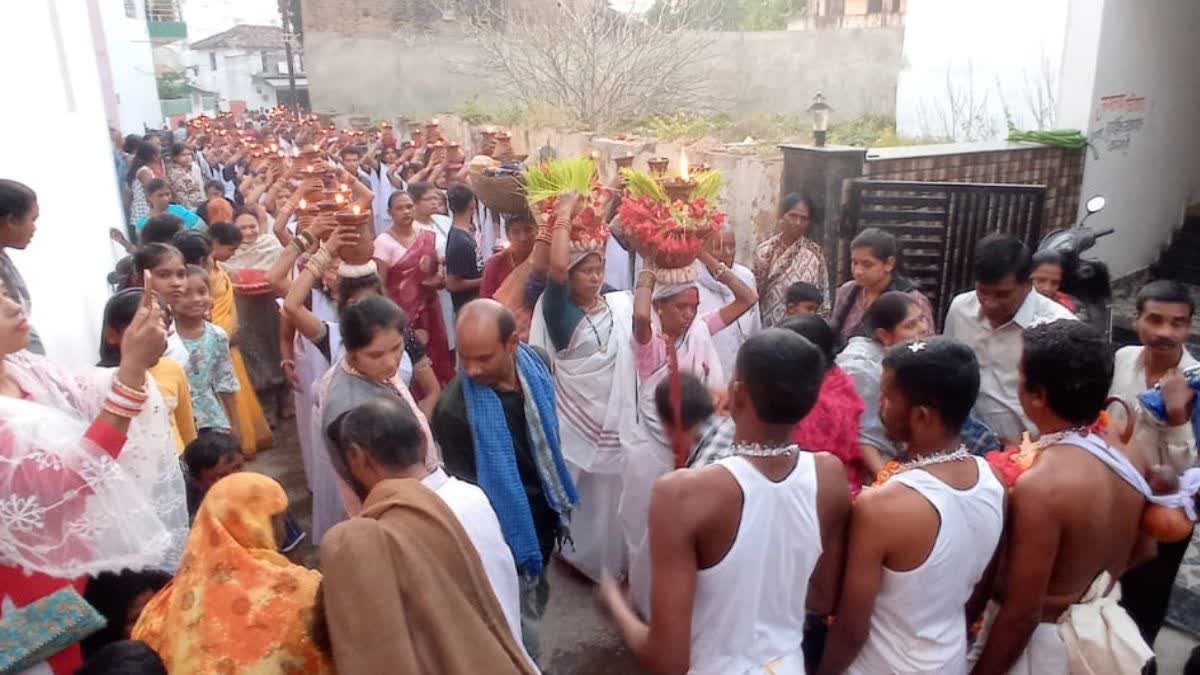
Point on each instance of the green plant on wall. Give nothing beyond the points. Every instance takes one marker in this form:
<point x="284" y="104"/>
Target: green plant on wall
<point x="771" y="128"/>
<point x="173" y="85"/>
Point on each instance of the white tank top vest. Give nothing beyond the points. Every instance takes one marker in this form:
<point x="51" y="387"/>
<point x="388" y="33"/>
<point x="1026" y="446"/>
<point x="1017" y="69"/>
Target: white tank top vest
<point x="918" y="624"/>
<point x="750" y="607"/>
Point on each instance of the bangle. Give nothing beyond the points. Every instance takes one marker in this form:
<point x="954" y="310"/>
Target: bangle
<point x="722" y="270"/>
<point x="287" y="362"/>
<point x="306" y="238"/>
<point x="121" y="407"/>
<point x="321" y="259"/>
<point x="126" y="391"/>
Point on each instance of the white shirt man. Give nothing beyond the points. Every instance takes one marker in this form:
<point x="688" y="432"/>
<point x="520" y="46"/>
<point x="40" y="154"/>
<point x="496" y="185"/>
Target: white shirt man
<point x="713" y="296"/>
<point x="474" y="512"/>
<point x="998" y="349"/>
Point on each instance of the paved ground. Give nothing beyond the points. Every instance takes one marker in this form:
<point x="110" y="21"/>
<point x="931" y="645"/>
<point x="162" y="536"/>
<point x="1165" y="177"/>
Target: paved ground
<point x="578" y="639"/>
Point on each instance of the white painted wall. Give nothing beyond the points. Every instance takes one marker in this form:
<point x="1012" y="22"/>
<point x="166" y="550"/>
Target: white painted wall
<point x="209" y="17"/>
<point x="234" y="77"/>
<point x="1148" y="174"/>
<point x="131" y="64"/>
<point x="1080" y="49"/>
<point x="996" y="49"/>
<point x="66" y="264"/>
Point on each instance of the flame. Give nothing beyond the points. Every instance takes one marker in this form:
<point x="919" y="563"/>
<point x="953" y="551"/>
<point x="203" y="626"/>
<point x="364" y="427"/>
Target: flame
<point x="434" y="121"/>
<point x="339" y="198"/>
<point x="303" y="205"/>
<point x="683" y="164"/>
<point x="357" y="209"/>
<point x="343" y="188"/>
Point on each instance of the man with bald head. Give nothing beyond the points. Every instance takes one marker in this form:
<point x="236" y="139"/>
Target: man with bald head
<point x="497" y="425"/>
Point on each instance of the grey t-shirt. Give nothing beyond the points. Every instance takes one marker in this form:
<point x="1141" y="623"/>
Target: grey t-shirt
<point x="862" y="360"/>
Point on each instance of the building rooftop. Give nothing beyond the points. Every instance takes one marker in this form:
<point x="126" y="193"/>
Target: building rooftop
<point x="244" y="37"/>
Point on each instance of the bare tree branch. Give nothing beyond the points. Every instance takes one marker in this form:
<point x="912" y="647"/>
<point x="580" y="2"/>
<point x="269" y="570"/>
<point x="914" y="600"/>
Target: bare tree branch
<point x="602" y="66"/>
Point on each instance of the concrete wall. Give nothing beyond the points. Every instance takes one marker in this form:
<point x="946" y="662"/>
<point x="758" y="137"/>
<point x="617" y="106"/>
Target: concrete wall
<point x="359" y="59"/>
<point x="66" y="264"/>
<point x="1143" y="125"/>
<point x="998" y="50"/>
<point x="131" y="92"/>
<point x="779" y="72"/>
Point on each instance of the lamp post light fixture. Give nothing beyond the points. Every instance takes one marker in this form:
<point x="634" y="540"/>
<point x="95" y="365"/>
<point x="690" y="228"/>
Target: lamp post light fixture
<point x="820" y="119"/>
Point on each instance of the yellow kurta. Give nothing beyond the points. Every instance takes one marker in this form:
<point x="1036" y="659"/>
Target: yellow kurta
<point x="177" y="394"/>
<point x="252" y="423"/>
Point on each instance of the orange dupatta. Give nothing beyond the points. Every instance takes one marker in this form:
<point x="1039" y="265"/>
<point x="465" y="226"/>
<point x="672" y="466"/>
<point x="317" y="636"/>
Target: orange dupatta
<point x="236" y="605"/>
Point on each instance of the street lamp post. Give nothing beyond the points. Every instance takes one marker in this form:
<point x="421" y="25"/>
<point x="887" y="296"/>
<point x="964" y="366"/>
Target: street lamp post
<point x="820" y="119"/>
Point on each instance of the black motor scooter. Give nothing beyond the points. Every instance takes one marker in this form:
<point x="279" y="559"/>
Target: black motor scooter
<point x="1084" y="278"/>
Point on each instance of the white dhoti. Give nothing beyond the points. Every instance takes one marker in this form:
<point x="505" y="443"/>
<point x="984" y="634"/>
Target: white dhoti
<point x="598" y="546"/>
<point x="1094" y="636"/>
<point x="594" y="387"/>
<point x="648" y="460"/>
<point x="1045" y="654"/>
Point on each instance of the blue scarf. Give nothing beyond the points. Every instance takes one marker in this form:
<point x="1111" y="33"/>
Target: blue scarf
<point x="496" y="461"/>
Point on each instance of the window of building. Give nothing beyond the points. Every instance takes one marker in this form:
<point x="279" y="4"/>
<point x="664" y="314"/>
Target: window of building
<point x="212" y="60"/>
<point x="263" y="57"/>
<point x="130" y="9"/>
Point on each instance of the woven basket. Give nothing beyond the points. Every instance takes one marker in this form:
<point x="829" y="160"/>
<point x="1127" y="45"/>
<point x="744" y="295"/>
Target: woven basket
<point x="505" y="194"/>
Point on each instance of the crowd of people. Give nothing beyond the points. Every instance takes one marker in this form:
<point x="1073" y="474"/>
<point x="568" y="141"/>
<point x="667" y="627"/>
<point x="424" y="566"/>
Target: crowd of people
<point x="761" y="471"/>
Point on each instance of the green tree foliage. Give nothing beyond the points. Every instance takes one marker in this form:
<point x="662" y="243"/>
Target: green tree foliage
<point x="173" y="85"/>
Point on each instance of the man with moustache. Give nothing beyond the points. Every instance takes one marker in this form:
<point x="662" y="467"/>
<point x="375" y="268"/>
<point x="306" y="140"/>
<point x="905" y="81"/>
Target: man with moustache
<point x="1164" y="319"/>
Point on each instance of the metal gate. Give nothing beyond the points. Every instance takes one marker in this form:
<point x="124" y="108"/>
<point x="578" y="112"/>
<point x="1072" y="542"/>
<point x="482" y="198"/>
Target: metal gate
<point x="938" y="225"/>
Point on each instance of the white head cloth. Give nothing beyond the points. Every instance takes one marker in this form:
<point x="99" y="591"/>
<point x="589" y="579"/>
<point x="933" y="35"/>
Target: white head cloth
<point x="357" y="271"/>
<point x="664" y="291"/>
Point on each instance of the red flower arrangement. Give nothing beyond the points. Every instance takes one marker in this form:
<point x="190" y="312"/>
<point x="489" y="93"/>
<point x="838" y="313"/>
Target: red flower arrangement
<point x="675" y="230"/>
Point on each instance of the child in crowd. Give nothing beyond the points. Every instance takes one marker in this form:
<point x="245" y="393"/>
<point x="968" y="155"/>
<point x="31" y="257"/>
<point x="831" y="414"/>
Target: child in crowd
<point x="210" y="365"/>
<point x="226" y="238"/>
<point x="254" y="432"/>
<point x="214" y="194"/>
<point x="160" y="229"/>
<point x="158" y="194"/>
<point x="168" y="374"/>
<point x="802" y="298"/>
<point x="119" y="598"/>
<point x="163" y="265"/>
<point x="214" y="455"/>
